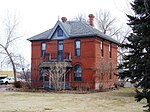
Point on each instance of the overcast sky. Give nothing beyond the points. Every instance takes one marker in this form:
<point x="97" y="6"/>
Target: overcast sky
<point x="36" y="16"/>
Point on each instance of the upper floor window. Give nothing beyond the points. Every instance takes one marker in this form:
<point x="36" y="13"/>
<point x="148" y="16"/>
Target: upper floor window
<point x="59" y="32"/>
<point x="43" y="49"/>
<point x="60" y="45"/>
<point x="102" y="48"/>
<point x="77" y="48"/>
<point x="110" y="50"/>
<point x="77" y="73"/>
<point x="60" y="50"/>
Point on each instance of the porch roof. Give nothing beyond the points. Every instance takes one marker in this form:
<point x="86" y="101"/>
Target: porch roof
<point x="56" y="64"/>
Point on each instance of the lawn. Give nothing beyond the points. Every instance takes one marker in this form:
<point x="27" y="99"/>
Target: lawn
<point x="121" y="100"/>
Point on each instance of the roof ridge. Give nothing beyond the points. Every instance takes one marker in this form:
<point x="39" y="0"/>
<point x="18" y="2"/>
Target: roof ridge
<point x="67" y="23"/>
<point x="91" y="28"/>
<point x="107" y="37"/>
<point x="74" y="29"/>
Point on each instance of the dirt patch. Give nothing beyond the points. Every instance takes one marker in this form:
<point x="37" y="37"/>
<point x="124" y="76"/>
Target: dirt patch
<point x="4" y="88"/>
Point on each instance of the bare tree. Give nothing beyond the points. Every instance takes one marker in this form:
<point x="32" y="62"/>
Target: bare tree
<point x="81" y="17"/>
<point x="122" y="39"/>
<point x="106" y="69"/>
<point x="106" y="23"/>
<point x="8" y="38"/>
<point x="23" y="65"/>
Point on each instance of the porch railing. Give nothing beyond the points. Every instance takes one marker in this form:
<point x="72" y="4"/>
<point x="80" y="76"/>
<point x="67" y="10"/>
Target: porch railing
<point x="47" y="84"/>
<point x="57" y="57"/>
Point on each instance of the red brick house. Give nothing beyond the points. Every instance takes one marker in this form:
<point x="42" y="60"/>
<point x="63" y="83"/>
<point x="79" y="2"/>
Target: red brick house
<point x="73" y="54"/>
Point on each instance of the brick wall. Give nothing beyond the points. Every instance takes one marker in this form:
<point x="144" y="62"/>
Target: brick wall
<point x="102" y="64"/>
<point x="90" y="59"/>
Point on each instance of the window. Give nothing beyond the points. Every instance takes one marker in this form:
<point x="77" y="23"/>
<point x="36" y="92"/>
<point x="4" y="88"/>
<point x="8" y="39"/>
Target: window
<point x="102" y="48"/>
<point x="110" y="72"/>
<point x="59" y="32"/>
<point x="43" y="76"/>
<point x="77" y="48"/>
<point x="110" y="50"/>
<point x="43" y="49"/>
<point x="77" y="73"/>
<point x="60" y="50"/>
<point x="60" y="45"/>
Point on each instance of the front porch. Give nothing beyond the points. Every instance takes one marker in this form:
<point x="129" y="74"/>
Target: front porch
<point x="56" y="75"/>
<point x="64" y="85"/>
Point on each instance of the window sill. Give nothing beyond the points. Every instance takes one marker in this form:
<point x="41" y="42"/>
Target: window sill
<point x="77" y="81"/>
<point x="77" y="56"/>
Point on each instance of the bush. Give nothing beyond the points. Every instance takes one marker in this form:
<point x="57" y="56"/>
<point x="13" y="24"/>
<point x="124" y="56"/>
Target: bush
<point x="18" y="84"/>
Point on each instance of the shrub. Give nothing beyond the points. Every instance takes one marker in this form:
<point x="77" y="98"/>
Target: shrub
<point x="18" y="84"/>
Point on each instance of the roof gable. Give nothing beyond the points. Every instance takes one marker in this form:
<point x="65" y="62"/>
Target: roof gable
<point x="59" y="34"/>
<point x="54" y="30"/>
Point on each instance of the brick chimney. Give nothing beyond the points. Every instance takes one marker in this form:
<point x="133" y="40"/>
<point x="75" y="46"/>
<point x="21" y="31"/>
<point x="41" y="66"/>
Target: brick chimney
<point x="64" y="19"/>
<point x="91" y="20"/>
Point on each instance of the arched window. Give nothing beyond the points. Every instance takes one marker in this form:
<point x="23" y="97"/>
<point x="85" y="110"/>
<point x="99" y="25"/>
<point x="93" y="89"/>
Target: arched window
<point x="77" y="73"/>
<point x="59" y="32"/>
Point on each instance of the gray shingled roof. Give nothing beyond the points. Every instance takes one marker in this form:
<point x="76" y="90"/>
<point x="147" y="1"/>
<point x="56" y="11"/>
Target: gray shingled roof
<point x="42" y="36"/>
<point x="75" y="29"/>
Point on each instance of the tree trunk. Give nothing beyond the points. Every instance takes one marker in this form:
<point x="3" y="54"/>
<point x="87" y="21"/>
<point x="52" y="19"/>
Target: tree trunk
<point x="12" y="62"/>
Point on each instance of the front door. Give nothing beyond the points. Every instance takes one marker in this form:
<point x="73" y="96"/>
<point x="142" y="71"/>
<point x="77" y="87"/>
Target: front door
<point x="45" y="78"/>
<point x="60" y="50"/>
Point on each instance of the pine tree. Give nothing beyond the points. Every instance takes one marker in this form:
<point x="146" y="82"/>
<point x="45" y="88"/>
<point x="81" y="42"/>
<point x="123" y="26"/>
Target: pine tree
<point x="137" y="60"/>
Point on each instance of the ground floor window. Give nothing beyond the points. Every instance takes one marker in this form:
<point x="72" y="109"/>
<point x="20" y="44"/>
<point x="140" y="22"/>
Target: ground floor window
<point x="43" y="76"/>
<point x="77" y="73"/>
<point x="110" y="72"/>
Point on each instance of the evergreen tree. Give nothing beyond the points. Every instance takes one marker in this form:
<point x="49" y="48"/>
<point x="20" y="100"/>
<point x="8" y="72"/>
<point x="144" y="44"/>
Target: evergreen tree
<point x="137" y="60"/>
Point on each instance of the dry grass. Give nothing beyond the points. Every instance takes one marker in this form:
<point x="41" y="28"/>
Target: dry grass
<point x="114" y="101"/>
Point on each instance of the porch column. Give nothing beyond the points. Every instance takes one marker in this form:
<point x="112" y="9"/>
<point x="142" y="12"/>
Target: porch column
<point x="43" y="79"/>
<point x="49" y="82"/>
<point x="57" y="87"/>
<point x="64" y="80"/>
<point x="69" y="78"/>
